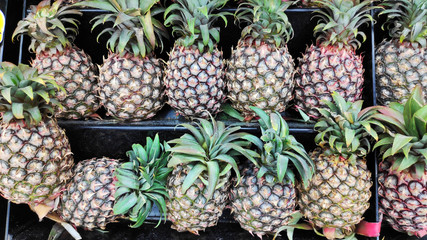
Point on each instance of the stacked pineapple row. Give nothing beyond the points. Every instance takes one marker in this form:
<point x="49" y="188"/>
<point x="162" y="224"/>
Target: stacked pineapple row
<point x="132" y="83"/>
<point x="332" y="181"/>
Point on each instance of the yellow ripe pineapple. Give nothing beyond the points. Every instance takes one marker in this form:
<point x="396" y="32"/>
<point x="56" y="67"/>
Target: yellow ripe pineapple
<point x="52" y="31"/>
<point x="131" y="78"/>
<point x="194" y="76"/>
<point x="338" y="194"/>
<point x="35" y="156"/>
<point x="332" y="65"/>
<point x="401" y="63"/>
<point x="261" y="71"/>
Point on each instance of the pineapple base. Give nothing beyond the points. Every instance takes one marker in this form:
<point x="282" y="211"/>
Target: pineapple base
<point x="403" y="200"/>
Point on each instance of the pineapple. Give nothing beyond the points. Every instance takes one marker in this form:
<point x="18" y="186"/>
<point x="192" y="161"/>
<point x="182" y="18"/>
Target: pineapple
<point x="338" y="194"/>
<point x="401" y="63"/>
<point x="332" y="65"/>
<point x="199" y="183"/>
<point x="88" y="199"/>
<point x="261" y="71"/>
<point x="35" y="156"/>
<point x="131" y="78"/>
<point x="103" y="190"/>
<point x="194" y="76"/>
<point x="403" y="171"/>
<point x="265" y="198"/>
<point x="52" y="31"/>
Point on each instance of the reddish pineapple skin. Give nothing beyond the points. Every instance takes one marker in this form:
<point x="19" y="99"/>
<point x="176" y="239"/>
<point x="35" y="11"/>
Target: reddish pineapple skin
<point x="324" y="70"/>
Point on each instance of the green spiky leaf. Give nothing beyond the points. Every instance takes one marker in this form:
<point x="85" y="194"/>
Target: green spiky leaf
<point x="399" y="142"/>
<point x="192" y="176"/>
<point x="339" y="20"/>
<point x="25" y="94"/>
<point x="406" y="20"/>
<point x="405" y="137"/>
<point x="266" y="21"/>
<point x="407" y="162"/>
<point x="123" y="205"/>
<point x="135" y="29"/>
<point x="282" y="165"/>
<point x="213" y="172"/>
<point x="143" y="176"/>
<point x="183" y="16"/>
<point x="210" y="150"/>
<point x="345" y="128"/>
<point x="45" y="24"/>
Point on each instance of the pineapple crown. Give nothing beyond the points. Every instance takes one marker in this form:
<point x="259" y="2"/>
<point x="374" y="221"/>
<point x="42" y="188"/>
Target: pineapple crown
<point x="141" y="182"/>
<point x="267" y="20"/>
<point x="405" y="135"/>
<point x="134" y="29"/>
<point x="339" y="22"/>
<point x="25" y="94"/>
<point x="210" y="151"/>
<point x="49" y="26"/>
<point x="192" y="21"/>
<point x="278" y="149"/>
<point x="344" y="129"/>
<point x="407" y="20"/>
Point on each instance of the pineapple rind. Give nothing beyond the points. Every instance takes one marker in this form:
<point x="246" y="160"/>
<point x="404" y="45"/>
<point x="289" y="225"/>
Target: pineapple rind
<point x="261" y="75"/>
<point x="338" y="194"/>
<point x="131" y="87"/>
<point x="403" y="199"/>
<point x="190" y="211"/>
<point x="324" y="70"/>
<point x="75" y="72"/>
<point x="195" y="81"/>
<point x="88" y="199"/>
<point x="262" y="207"/>
<point x="35" y="162"/>
<point x="399" y="68"/>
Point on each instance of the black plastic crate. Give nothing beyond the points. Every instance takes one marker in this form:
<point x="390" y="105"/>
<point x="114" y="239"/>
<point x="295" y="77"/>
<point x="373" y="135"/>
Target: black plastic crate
<point x="108" y="137"/>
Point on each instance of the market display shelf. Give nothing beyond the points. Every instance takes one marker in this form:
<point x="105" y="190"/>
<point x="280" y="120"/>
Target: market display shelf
<point x="112" y="138"/>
